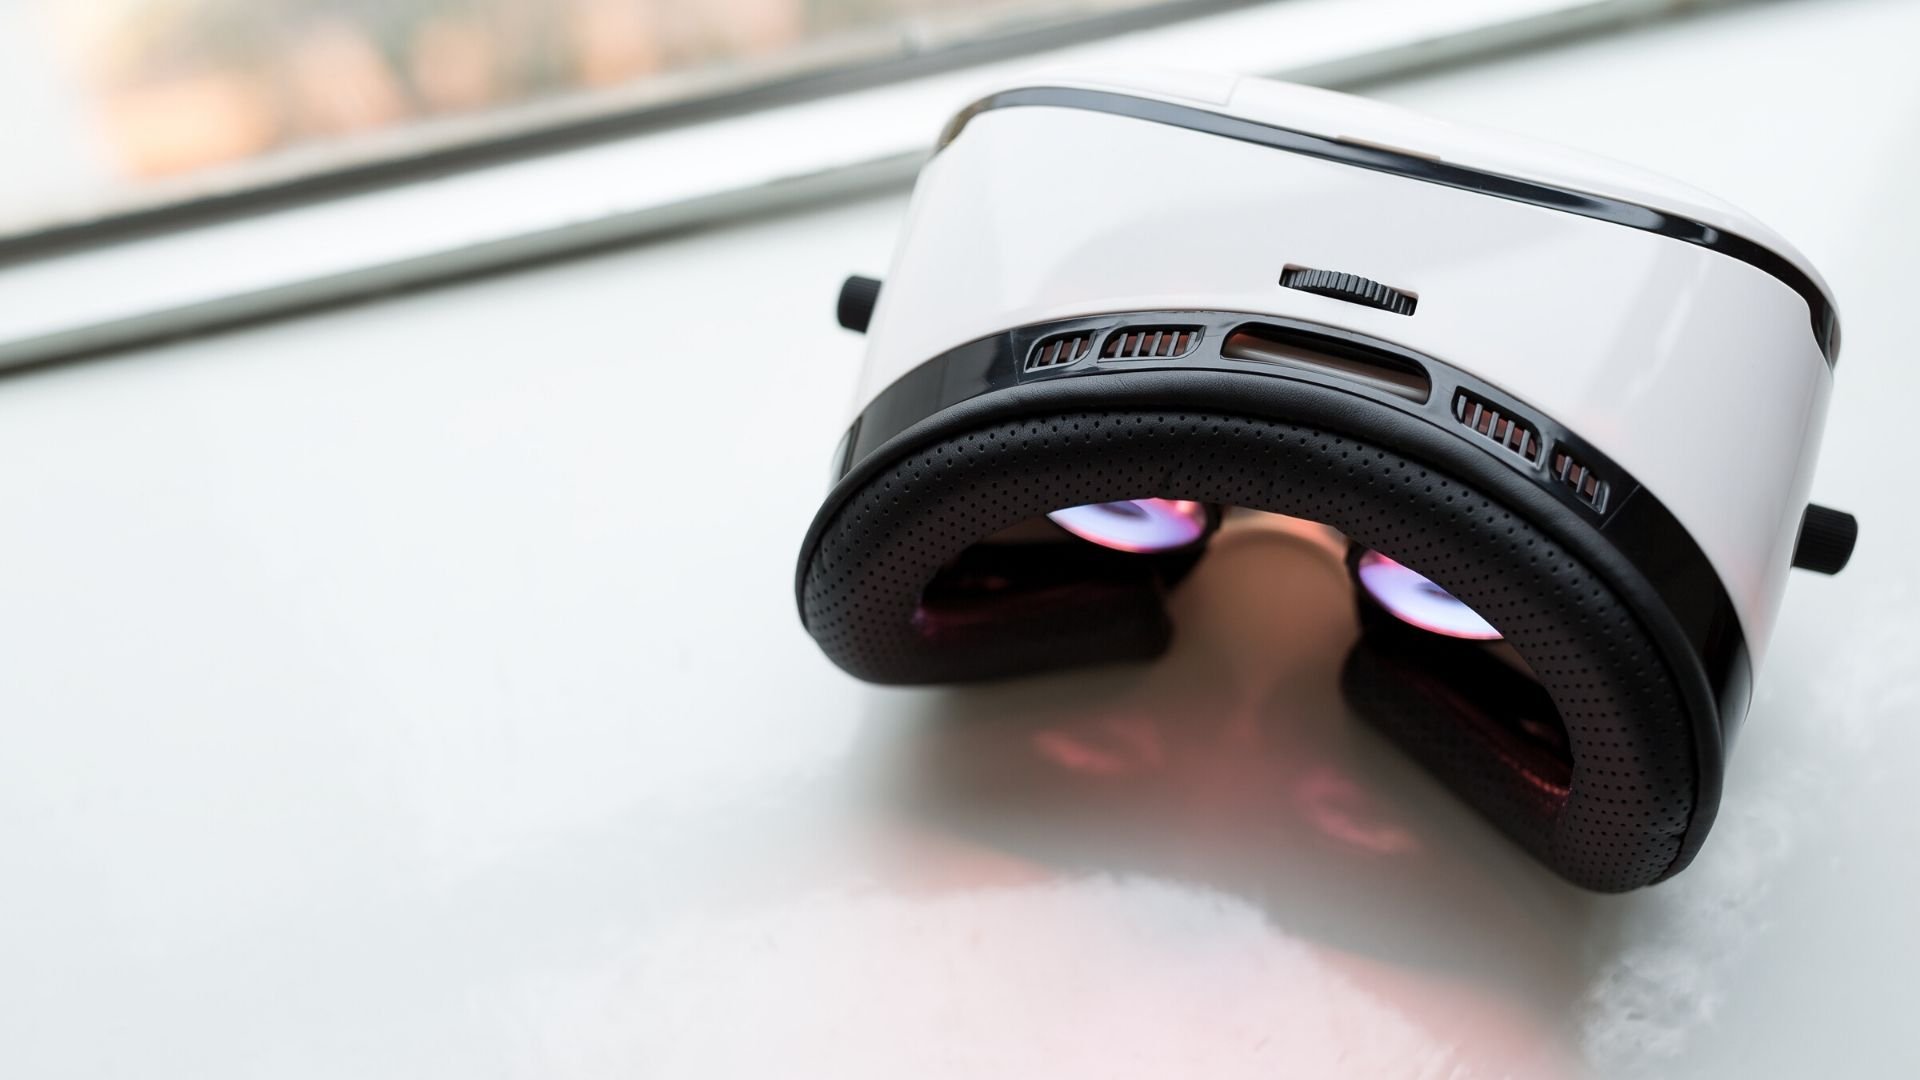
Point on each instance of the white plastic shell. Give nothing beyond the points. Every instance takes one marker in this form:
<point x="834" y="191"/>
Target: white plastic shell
<point x="1696" y="372"/>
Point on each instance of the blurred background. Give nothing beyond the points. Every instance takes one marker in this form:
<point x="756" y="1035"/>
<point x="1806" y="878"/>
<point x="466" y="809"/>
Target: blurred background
<point x="120" y="104"/>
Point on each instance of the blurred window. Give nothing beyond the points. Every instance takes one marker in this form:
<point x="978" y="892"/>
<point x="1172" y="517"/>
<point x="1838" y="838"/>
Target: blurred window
<point x="124" y="105"/>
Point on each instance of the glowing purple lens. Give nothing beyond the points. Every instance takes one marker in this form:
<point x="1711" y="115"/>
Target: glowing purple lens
<point x="1136" y="525"/>
<point x="1418" y="602"/>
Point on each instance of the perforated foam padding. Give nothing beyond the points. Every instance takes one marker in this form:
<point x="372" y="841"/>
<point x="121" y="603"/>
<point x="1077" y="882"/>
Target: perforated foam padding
<point x="1619" y="824"/>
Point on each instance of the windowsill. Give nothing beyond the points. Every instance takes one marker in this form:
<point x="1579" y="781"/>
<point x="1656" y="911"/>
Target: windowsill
<point x="199" y="278"/>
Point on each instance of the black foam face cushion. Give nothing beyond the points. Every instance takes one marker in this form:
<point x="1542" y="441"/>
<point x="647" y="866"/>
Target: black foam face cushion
<point x="1613" y="818"/>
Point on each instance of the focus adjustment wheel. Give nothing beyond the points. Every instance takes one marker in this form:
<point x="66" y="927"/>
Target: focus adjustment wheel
<point x="1352" y="288"/>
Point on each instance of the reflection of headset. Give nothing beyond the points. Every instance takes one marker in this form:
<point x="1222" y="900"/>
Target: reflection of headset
<point x="1572" y="407"/>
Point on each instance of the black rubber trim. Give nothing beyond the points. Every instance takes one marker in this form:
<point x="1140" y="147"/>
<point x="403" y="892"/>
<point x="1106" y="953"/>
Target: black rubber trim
<point x="1613" y="807"/>
<point x="1825" y="323"/>
<point x="1646" y="556"/>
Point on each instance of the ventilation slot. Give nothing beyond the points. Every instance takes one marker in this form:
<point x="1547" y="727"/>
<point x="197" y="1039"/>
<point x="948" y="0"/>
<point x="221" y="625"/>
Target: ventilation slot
<point x="1059" y="351"/>
<point x="1150" y="342"/>
<point x="1512" y="434"/>
<point x="1313" y="355"/>
<point x="1590" y="488"/>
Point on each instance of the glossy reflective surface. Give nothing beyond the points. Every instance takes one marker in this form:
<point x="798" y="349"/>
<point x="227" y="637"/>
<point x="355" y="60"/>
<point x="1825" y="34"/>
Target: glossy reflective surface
<point x="1136" y="525"/>
<point x="362" y="719"/>
<point x="1416" y="601"/>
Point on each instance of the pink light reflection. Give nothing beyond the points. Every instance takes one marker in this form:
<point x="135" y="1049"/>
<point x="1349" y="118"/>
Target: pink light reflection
<point x="1340" y="809"/>
<point x="1416" y="601"/>
<point x="1136" y="525"/>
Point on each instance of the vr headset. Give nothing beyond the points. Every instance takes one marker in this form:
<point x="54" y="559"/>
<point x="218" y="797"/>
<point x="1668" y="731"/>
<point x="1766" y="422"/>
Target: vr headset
<point x="1564" y="412"/>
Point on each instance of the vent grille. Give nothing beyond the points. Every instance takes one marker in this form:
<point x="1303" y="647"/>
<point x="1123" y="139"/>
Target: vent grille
<point x="1585" y="484"/>
<point x="1509" y="432"/>
<point x="1060" y="350"/>
<point x="1150" y="342"/>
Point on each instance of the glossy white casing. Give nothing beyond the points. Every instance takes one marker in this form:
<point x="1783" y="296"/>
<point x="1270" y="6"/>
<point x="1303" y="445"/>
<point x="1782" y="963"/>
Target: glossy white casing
<point x="1697" y="373"/>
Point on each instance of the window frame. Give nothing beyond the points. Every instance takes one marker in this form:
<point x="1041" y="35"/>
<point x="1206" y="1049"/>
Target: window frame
<point x="459" y="210"/>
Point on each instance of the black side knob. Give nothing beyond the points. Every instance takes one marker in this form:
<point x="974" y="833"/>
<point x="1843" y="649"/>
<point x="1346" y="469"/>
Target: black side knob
<point x="857" y="297"/>
<point x="1352" y="288"/>
<point x="1826" y="540"/>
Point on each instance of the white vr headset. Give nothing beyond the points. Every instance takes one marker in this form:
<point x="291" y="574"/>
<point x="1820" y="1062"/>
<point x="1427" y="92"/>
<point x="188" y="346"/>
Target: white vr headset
<point x="1566" y="413"/>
